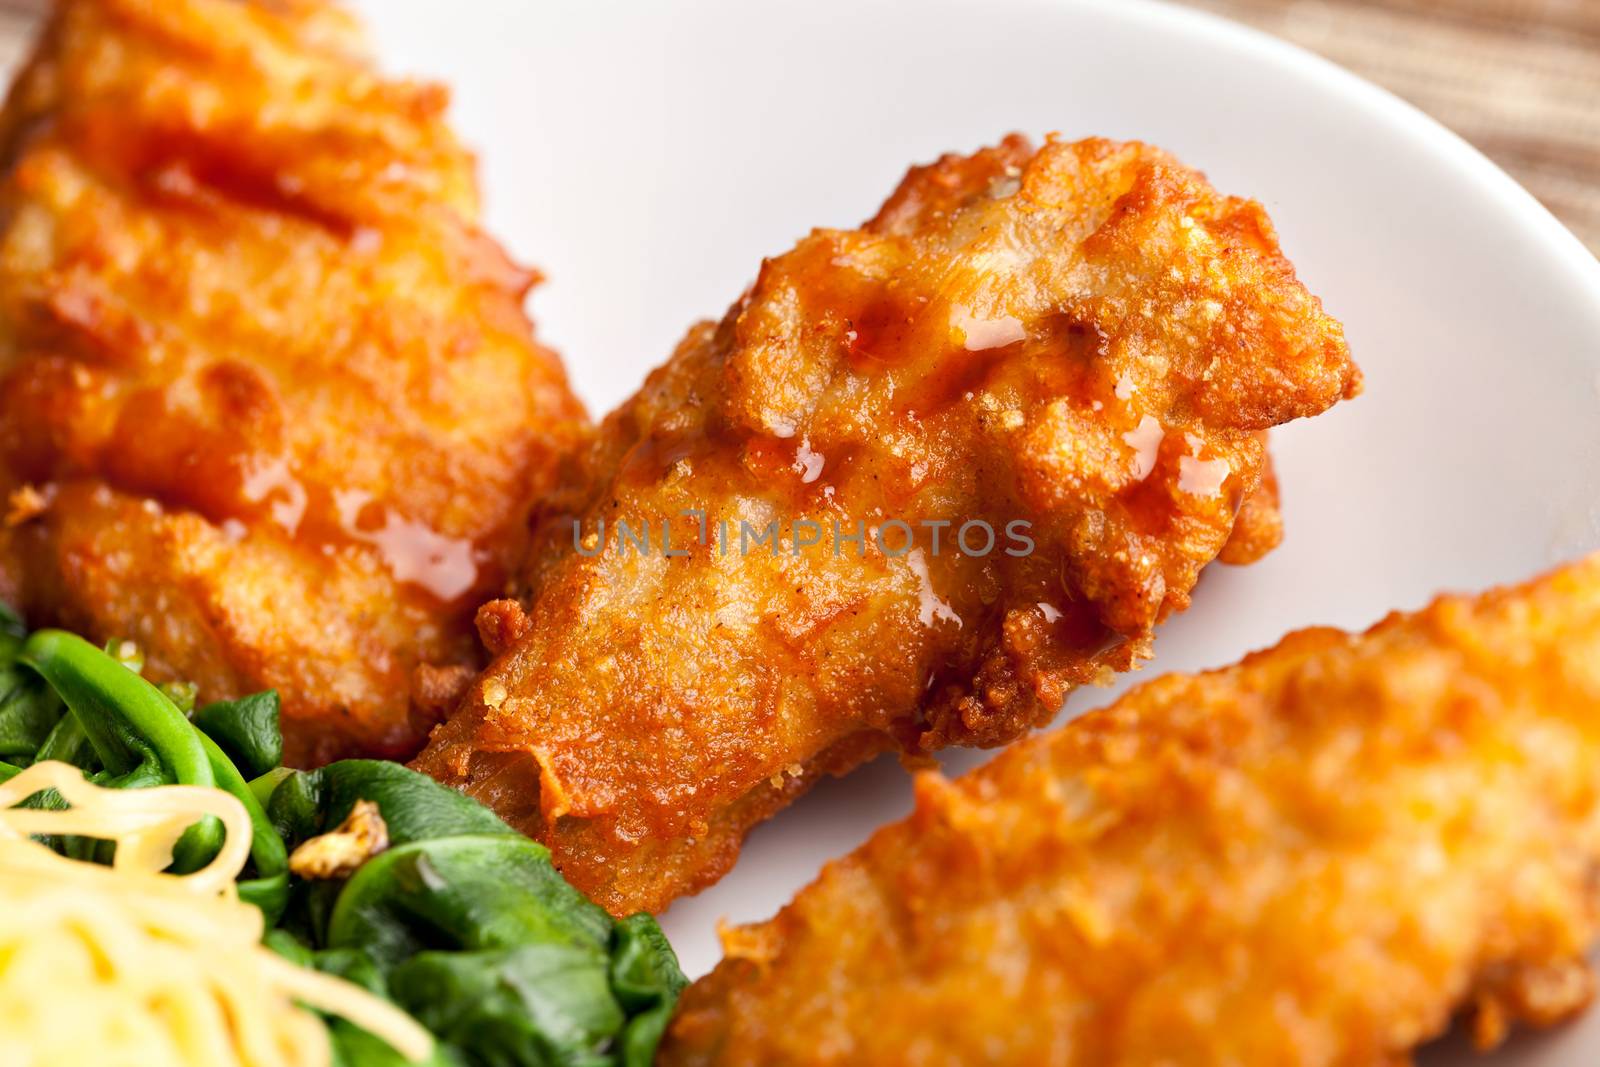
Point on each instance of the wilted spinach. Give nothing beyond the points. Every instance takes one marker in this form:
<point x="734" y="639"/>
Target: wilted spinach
<point x="467" y="925"/>
<point x="414" y="806"/>
<point x="247" y="729"/>
<point x="461" y="921"/>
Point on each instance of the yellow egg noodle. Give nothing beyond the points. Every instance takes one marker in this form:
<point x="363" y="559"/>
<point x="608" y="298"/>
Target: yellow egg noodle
<point x="125" y="965"/>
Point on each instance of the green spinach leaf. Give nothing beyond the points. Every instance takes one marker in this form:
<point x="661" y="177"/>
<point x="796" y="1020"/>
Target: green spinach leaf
<point x="463" y="892"/>
<point x="536" y="1005"/>
<point x="414" y="806"/>
<point x="247" y="729"/>
<point x="646" y="981"/>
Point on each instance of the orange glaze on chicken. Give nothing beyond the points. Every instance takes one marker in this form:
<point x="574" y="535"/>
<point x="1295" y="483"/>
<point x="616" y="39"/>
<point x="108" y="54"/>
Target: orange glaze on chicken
<point x="269" y="404"/>
<point x="1084" y="338"/>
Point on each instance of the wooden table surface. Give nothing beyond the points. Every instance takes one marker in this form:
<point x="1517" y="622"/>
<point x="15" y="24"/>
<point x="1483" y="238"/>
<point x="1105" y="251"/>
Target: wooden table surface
<point x="1518" y="78"/>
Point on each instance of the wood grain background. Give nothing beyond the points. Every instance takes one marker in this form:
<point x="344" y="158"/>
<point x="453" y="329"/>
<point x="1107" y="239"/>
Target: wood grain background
<point x="1518" y="78"/>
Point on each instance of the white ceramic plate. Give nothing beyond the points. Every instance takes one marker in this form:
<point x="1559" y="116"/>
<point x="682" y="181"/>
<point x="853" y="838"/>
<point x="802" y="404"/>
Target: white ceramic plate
<point x="648" y="155"/>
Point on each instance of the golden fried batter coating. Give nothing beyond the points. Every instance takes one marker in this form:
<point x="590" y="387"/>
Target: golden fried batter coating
<point x="1083" y="338"/>
<point x="1312" y="858"/>
<point x="269" y="404"/>
<point x="1258" y="527"/>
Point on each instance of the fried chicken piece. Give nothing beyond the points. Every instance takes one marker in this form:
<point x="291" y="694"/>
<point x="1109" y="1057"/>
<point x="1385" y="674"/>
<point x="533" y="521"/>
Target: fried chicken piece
<point x="1258" y="526"/>
<point x="1313" y="857"/>
<point x="269" y="404"/>
<point x="1083" y="338"/>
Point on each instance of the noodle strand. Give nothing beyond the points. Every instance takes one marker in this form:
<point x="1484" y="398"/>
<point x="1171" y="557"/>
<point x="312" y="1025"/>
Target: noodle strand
<point x="130" y="965"/>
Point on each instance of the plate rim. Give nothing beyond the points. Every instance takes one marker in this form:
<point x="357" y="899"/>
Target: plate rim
<point x="1399" y="116"/>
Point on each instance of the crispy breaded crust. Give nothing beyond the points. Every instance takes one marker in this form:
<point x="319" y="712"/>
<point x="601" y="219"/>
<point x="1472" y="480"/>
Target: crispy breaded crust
<point x="1314" y="857"/>
<point x="266" y="390"/>
<point x="1258" y="526"/>
<point x="1083" y="337"/>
